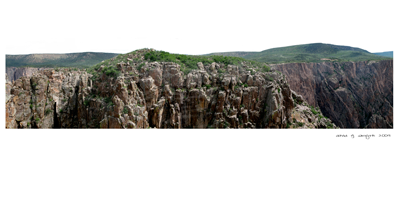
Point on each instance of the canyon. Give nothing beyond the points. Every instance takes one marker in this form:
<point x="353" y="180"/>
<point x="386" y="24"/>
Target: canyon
<point x="143" y="94"/>
<point x="351" y="94"/>
<point x="131" y="91"/>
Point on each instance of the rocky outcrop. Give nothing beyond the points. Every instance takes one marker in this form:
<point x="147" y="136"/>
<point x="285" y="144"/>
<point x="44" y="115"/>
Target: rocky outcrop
<point x="158" y="95"/>
<point x="351" y="94"/>
<point x="15" y="73"/>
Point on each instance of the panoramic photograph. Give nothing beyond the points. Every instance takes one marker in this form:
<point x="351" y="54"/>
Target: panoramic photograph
<point x="317" y="86"/>
<point x="199" y="103"/>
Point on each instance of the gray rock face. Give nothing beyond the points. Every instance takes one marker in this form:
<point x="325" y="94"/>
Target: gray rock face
<point x="351" y="94"/>
<point x="160" y="96"/>
<point x="15" y="73"/>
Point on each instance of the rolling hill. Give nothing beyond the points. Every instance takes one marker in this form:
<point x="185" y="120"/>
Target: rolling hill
<point x="385" y="54"/>
<point x="316" y="52"/>
<point x="80" y="60"/>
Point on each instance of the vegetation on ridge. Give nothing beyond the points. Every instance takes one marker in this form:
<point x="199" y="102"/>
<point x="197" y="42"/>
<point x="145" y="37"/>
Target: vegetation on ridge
<point x="317" y="52"/>
<point x="385" y="54"/>
<point x="299" y="53"/>
<point x="187" y="62"/>
<point x="80" y="60"/>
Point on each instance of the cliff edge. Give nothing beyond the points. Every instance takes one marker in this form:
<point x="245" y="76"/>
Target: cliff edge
<point x="137" y="90"/>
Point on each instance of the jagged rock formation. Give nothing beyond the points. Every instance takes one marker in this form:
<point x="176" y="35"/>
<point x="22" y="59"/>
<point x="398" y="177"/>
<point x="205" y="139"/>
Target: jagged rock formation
<point x="15" y="73"/>
<point x="351" y="94"/>
<point x="158" y="95"/>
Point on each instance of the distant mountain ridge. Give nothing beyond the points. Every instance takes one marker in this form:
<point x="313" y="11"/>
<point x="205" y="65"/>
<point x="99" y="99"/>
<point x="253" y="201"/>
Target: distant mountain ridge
<point x="385" y="54"/>
<point x="80" y="60"/>
<point x="233" y="54"/>
<point x="316" y="52"/>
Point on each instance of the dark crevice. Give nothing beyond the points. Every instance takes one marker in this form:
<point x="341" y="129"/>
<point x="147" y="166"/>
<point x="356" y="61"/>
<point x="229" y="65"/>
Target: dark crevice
<point x="56" y="122"/>
<point x="75" y="122"/>
<point x="34" y="125"/>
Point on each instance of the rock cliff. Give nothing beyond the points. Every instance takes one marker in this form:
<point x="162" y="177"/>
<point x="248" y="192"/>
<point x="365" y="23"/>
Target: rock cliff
<point x="15" y="73"/>
<point x="351" y="94"/>
<point x="143" y="94"/>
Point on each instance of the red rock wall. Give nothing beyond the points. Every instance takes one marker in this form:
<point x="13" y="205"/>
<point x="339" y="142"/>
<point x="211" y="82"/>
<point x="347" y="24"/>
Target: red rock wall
<point x="351" y="94"/>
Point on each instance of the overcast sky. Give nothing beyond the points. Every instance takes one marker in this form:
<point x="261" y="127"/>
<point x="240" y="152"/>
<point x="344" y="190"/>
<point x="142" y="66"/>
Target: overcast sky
<point x="194" y="28"/>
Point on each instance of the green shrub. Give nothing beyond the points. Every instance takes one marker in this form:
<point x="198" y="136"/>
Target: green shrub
<point x="86" y="102"/>
<point x="111" y="71"/>
<point x="329" y="125"/>
<point x="245" y="85"/>
<point x="185" y="70"/>
<point x="140" y="66"/>
<point x="125" y="110"/>
<point x="268" y="78"/>
<point x="208" y="86"/>
<point x="108" y="101"/>
<point x="37" y="119"/>
<point x="314" y="111"/>
<point x="266" y="68"/>
<point x="226" y="124"/>
<point x="48" y="111"/>
<point x="300" y="124"/>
